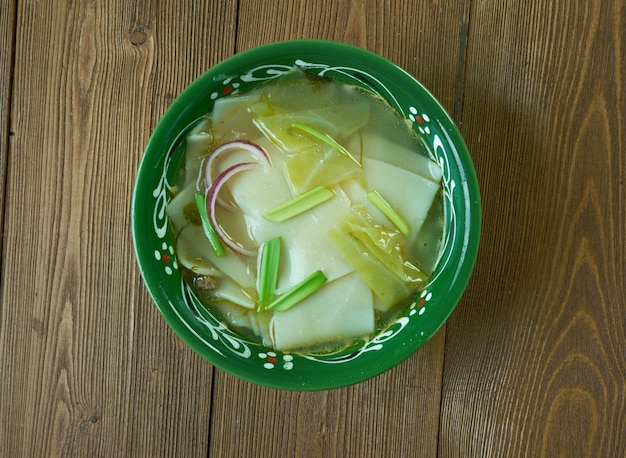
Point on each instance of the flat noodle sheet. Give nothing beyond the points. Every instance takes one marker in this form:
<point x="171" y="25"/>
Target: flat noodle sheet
<point x="343" y="309"/>
<point x="409" y="194"/>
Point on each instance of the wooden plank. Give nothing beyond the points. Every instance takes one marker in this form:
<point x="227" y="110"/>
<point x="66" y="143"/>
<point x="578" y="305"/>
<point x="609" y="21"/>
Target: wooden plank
<point x="7" y="31"/>
<point x="396" y="414"/>
<point x="88" y="366"/>
<point x="535" y="361"/>
<point x="427" y="39"/>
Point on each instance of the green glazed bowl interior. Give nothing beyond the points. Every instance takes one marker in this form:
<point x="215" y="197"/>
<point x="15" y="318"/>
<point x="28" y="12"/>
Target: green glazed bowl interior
<point x="154" y="243"/>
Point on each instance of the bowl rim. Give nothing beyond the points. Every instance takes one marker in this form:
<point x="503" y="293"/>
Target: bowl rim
<point x="304" y="381"/>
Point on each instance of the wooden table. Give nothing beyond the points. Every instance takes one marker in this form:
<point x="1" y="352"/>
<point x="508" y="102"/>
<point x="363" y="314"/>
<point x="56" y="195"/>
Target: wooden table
<point x="532" y="361"/>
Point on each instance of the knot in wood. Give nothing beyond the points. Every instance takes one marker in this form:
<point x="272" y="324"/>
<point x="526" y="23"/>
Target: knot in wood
<point x="138" y="36"/>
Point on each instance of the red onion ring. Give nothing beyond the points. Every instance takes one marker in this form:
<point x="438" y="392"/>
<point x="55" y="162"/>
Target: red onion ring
<point x="257" y="151"/>
<point x="211" y="200"/>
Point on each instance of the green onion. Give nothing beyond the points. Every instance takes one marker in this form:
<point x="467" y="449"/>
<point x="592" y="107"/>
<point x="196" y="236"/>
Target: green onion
<point x="210" y="233"/>
<point x="389" y="212"/>
<point x="269" y="258"/>
<point x="300" y="204"/>
<point x="299" y="292"/>
<point x="325" y="138"/>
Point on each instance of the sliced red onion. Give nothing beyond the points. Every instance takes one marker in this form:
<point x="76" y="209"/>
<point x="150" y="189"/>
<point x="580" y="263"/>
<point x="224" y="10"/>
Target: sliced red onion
<point x="211" y="201"/>
<point x="257" y="151"/>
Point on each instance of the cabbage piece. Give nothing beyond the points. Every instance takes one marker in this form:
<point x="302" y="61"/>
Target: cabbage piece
<point x="326" y="105"/>
<point x="279" y="127"/>
<point x="379" y="256"/>
<point x="279" y="130"/>
<point x="321" y="165"/>
<point x="388" y="248"/>
<point x="299" y="97"/>
<point x="340" y="310"/>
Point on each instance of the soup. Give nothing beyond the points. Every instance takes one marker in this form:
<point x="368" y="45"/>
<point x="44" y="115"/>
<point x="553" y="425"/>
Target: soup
<point x="307" y="213"/>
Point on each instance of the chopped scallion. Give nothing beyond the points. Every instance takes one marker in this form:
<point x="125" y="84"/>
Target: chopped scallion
<point x="324" y="138"/>
<point x="269" y="259"/>
<point x="210" y="233"/>
<point x="299" y="292"/>
<point x="389" y="212"/>
<point x="300" y="204"/>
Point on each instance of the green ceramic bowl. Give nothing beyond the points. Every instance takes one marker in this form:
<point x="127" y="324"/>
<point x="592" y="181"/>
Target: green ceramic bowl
<point x="154" y="244"/>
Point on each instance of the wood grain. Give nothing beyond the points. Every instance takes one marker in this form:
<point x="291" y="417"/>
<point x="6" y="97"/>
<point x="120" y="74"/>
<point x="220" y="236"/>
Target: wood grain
<point x="535" y="362"/>
<point x="88" y="366"/>
<point x="426" y="38"/>
<point x="395" y="414"/>
<point x="7" y="35"/>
